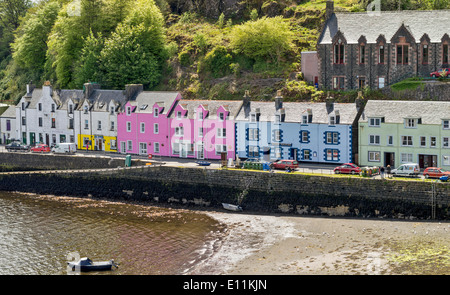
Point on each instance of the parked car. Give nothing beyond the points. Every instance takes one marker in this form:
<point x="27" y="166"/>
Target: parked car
<point x="347" y="168"/>
<point x="435" y="172"/>
<point x="283" y="164"/>
<point x="17" y="146"/>
<point x="409" y="169"/>
<point x="437" y="74"/>
<point x="40" y="148"/>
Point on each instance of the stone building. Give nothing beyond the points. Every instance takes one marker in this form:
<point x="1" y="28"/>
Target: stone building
<point x="377" y="49"/>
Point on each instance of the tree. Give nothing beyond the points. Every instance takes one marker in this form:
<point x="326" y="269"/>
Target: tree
<point x="262" y="38"/>
<point x="88" y="68"/>
<point x="11" y="11"/>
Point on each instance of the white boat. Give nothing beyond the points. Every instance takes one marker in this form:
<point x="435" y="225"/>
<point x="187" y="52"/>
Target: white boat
<point x="231" y="207"/>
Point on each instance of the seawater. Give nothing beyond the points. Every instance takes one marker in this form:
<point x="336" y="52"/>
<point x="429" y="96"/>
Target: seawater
<point x="40" y="234"/>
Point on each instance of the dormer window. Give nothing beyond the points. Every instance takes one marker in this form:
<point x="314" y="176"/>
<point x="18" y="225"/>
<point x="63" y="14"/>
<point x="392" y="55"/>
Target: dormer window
<point x="412" y="122"/>
<point x="375" y="122"/>
<point x="112" y="111"/>
<point x="381" y="54"/>
<point x="332" y="120"/>
<point x="221" y="116"/>
<point x="86" y="109"/>
<point x="53" y="108"/>
<point x="252" y="117"/>
<point x="277" y="118"/>
<point x="70" y="109"/>
<point x="402" y="54"/>
<point x="128" y="111"/>
<point x="446" y="124"/>
<point x="178" y="115"/>
<point x="23" y="106"/>
<point x="339" y="51"/>
<point x="425" y="54"/>
<point x="156" y="112"/>
<point x="200" y="115"/>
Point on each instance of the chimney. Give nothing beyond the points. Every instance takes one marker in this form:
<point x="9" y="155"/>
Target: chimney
<point x="329" y="10"/>
<point x="89" y="89"/>
<point x="329" y="103"/>
<point x="278" y="101"/>
<point x="30" y="88"/>
<point x="47" y="89"/>
<point x="246" y="104"/>
<point x="131" y="90"/>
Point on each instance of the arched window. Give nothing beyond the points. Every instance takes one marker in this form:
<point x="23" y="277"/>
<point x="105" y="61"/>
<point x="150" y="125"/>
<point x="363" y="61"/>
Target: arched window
<point x="339" y="52"/>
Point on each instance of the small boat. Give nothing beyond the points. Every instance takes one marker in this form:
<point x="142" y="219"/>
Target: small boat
<point x="231" y="207"/>
<point x="444" y="178"/>
<point x="203" y="163"/>
<point x="86" y="264"/>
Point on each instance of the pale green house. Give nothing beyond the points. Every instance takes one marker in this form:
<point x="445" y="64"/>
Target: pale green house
<point x="398" y="132"/>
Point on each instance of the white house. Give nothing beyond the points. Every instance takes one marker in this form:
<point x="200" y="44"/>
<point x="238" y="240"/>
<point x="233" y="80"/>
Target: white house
<point x="8" y="124"/>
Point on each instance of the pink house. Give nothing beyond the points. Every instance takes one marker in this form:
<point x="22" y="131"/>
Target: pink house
<point x="203" y="129"/>
<point x="143" y="124"/>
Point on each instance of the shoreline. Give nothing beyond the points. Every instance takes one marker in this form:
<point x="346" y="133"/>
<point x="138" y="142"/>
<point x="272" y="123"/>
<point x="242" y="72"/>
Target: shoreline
<point x="303" y="245"/>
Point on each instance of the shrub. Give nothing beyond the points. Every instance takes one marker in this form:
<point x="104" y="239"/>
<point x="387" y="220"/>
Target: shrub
<point x="217" y="62"/>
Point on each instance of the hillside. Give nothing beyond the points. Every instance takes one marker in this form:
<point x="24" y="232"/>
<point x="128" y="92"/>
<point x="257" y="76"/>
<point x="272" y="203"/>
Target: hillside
<point x="213" y="49"/>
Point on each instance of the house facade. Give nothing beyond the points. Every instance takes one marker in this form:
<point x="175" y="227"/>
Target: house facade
<point x="397" y="132"/>
<point x="381" y="48"/>
<point x="8" y="124"/>
<point x="143" y="124"/>
<point x="307" y="132"/>
<point x="203" y="129"/>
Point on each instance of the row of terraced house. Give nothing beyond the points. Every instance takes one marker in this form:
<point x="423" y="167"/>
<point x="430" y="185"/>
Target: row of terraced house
<point x="133" y="121"/>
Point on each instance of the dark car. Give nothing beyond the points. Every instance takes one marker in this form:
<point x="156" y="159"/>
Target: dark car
<point x="283" y="164"/>
<point x="435" y="172"/>
<point x="347" y="168"/>
<point x="17" y="146"/>
<point x="438" y="74"/>
<point x="41" y="148"/>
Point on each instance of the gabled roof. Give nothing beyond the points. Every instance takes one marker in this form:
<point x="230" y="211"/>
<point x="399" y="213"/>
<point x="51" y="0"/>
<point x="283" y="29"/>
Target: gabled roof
<point x="232" y="106"/>
<point x="10" y="112"/>
<point x="431" y="112"/>
<point x="434" y="23"/>
<point x="147" y="99"/>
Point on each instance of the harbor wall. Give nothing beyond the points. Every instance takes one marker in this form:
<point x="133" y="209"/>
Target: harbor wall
<point x="255" y="191"/>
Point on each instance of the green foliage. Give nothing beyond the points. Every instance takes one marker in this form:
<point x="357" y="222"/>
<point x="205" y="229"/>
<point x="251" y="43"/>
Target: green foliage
<point x="217" y="62"/>
<point x="89" y="65"/>
<point x="221" y="20"/>
<point x="300" y="90"/>
<point x="254" y="15"/>
<point x="263" y="38"/>
<point x="407" y="84"/>
<point x="185" y="58"/>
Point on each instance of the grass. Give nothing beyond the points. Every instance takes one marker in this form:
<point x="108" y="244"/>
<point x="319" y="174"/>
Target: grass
<point x="407" y="84"/>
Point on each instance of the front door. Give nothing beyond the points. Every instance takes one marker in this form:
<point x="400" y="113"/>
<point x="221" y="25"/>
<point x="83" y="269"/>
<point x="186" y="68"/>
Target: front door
<point x="183" y="152"/>
<point x="47" y="139"/>
<point x="123" y="147"/>
<point x="427" y="161"/>
<point x="389" y="159"/>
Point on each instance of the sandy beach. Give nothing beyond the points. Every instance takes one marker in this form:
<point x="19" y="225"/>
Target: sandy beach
<point x="291" y="245"/>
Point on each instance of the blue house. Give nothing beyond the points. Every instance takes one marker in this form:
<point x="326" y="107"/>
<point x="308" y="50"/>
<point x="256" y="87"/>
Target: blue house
<point x="302" y="131"/>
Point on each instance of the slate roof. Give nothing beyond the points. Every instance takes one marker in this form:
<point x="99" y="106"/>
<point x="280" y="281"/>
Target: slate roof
<point x="149" y="98"/>
<point x="233" y="106"/>
<point x="434" y="23"/>
<point x="431" y="112"/>
<point x="62" y="97"/>
<point x="295" y="110"/>
<point x="10" y="112"/>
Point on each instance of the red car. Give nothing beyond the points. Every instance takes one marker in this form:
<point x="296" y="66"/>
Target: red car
<point x="283" y="164"/>
<point x="437" y="74"/>
<point x="347" y="168"/>
<point x="434" y="172"/>
<point x="41" y="148"/>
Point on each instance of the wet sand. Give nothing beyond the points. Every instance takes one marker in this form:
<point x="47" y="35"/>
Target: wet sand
<point x="277" y="245"/>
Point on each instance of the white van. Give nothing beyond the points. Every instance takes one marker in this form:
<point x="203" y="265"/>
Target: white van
<point x="409" y="169"/>
<point x="64" y="148"/>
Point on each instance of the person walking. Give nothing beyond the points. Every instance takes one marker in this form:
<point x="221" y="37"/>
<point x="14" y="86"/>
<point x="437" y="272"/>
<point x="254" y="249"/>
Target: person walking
<point x="388" y="171"/>
<point x="382" y="172"/>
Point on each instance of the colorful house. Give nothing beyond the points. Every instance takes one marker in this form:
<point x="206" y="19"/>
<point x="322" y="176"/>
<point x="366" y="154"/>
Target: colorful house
<point x="143" y="123"/>
<point x="309" y="132"/>
<point x="203" y="129"/>
<point x="397" y="132"/>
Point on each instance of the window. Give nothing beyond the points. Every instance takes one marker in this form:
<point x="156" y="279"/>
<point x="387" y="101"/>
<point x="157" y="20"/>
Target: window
<point x="129" y="145"/>
<point x="39" y="107"/>
<point x="71" y="123"/>
<point x="252" y="117"/>
<point x="142" y="127"/>
<point x="99" y="125"/>
<point x="381" y="54"/>
<point x="128" y="111"/>
<point x="112" y="111"/>
<point x="362" y="54"/>
<point x="380" y="82"/>
<point x="54" y="138"/>
<point x="178" y="115"/>
<point x="62" y="138"/>
<point x="142" y="148"/>
<point x="221" y="148"/>
<point x="374" y="139"/>
<point x="332" y="120"/>
<point x="221" y="116"/>
<point x="339" y="51"/>
<point x="70" y="109"/>
<point x="332" y="155"/>
<point x="53" y="123"/>
<point x="338" y="83"/>
<point x="156" y="128"/>
<point x="128" y="126"/>
<point x="179" y="131"/>
<point x="175" y="148"/>
<point x="432" y="141"/>
<point x="112" y="126"/>
<point x="200" y="132"/>
<point x="156" y="147"/>
<point x="445" y="53"/>
<point x="424" y="54"/>
<point x="306" y="155"/>
<point x="446" y="124"/>
<point x="411" y="123"/>
<point x="86" y="109"/>
<point x="423" y="141"/>
<point x="446" y="160"/>
<point x="253" y="134"/>
<point x="277" y="135"/>
<point x="23" y="106"/>
<point x="24" y="121"/>
<point x="407" y="140"/>
<point x="156" y="112"/>
<point x="305" y="119"/>
<point x="278" y="153"/>
<point x="221" y="132"/>
<point x="406" y="158"/>
<point x="253" y="151"/>
<point x="277" y="118"/>
<point x="200" y="115"/>
<point x="402" y="54"/>
<point x="361" y="82"/>
<point x="374" y="122"/>
<point x="332" y="138"/>
<point x="8" y="125"/>
<point x="390" y="140"/>
<point x="374" y="156"/>
<point x="53" y="108"/>
<point x="86" y="124"/>
<point x="40" y="121"/>
<point x="445" y="142"/>
<point x="305" y="136"/>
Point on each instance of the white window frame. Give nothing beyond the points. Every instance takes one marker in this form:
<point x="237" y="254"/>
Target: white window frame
<point x="128" y="126"/>
<point x="221" y="132"/>
<point x="374" y="156"/>
<point x="155" y="112"/>
<point x="423" y="141"/>
<point x="407" y="140"/>
<point x="179" y="131"/>
<point x="128" y="111"/>
<point x="142" y="127"/>
<point x="445" y="142"/>
<point x="411" y="123"/>
<point x="445" y="124"/>
<point x="200" y="131"/>
<point x="156" y="148"/>
<point x="156" y="128"/>
<point x="129" y="145"/>
<point x="374" y="122"/>
<point x="277" y="135"/>
<point x="406" y="157"/>
<point x="253" y="134"/>
<point x="142" y="151"/>
<point x="390" y="140"/>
